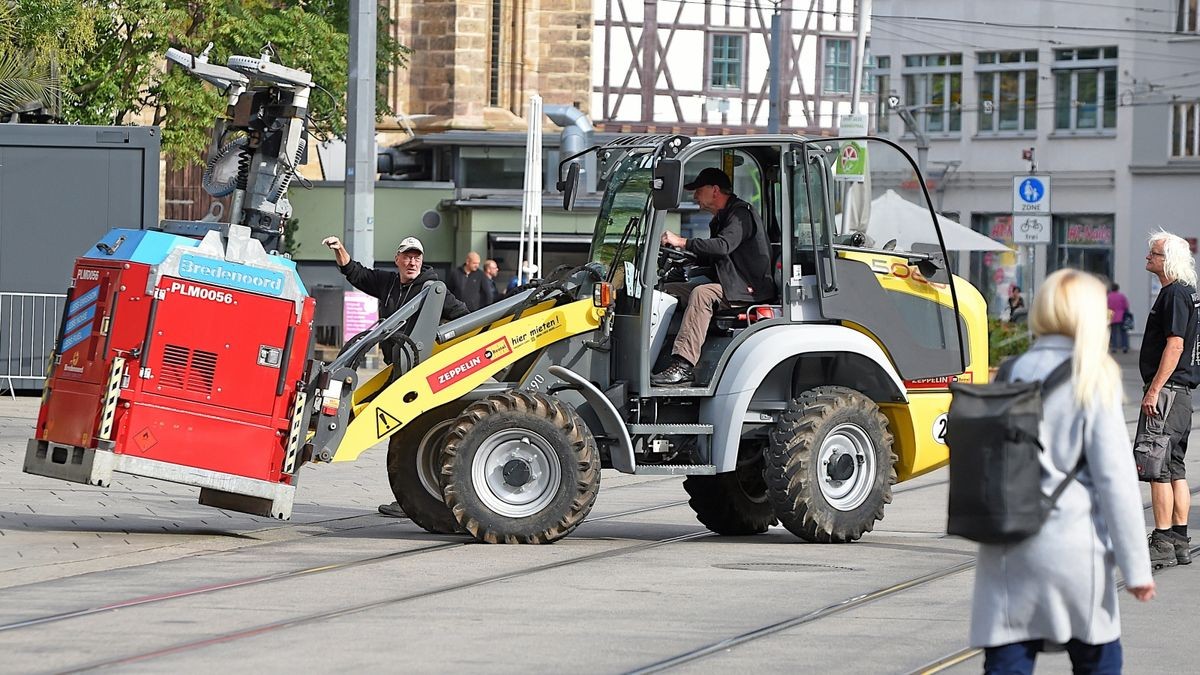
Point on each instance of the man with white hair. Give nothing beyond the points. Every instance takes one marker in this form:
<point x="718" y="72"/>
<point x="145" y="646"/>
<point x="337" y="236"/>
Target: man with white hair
<point x="1170" y="369"/>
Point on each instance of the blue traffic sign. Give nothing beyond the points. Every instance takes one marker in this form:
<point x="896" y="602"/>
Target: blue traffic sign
<point x="1031" y="190"/>
<point x="1031" y="194"/>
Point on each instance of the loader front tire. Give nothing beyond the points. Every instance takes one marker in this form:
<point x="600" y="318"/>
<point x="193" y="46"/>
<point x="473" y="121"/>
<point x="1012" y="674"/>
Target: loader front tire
<point x="735" y="503"/>
<point x="414" y="465"/>
<point x="520" y="468"/>
<point x="830" y="466"/>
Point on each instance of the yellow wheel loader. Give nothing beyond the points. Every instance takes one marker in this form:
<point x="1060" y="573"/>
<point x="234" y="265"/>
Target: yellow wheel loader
<point x="805" y="409"/>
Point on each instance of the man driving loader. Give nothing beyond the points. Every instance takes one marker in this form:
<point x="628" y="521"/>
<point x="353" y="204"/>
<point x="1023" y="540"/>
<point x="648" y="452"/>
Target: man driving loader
<point x="738" y="249"/>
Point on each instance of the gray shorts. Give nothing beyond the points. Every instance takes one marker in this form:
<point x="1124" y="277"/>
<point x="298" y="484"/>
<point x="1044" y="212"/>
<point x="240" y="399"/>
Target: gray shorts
<point x="1177" y="426"/>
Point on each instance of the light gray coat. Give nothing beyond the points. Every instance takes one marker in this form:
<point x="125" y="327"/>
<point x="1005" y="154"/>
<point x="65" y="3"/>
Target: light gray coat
<point x="1059" y="584"/>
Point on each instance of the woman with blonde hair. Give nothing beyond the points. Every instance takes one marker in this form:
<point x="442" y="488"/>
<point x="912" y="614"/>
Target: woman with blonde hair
<point x="1058" y="587"/>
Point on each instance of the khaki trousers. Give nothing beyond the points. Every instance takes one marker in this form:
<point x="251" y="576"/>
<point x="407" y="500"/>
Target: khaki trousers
<point x="698" y="303"/>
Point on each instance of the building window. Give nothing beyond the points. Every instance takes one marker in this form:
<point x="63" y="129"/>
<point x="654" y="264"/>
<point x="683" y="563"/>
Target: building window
<point x="1007" y="91"/>
<point x="726" y="63"/>
<point x="880" y="77"/>
<point x="494" y="51"/>
<point x="1185" y="129"/>
<point x="1185" y="22"/>
<point x="837" y="66"/>
<point x="933" y="90"/>
<point x="1084" y="242"/>
<point x="994" y="272"/>
<point x="1085" y="89"/>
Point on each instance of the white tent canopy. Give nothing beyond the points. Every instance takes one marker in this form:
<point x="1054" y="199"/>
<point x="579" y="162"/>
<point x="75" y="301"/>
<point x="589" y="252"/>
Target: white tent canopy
<point x="894" y="217"/>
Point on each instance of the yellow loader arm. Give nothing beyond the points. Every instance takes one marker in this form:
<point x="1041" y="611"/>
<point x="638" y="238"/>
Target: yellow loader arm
<point x="457" y="369"/>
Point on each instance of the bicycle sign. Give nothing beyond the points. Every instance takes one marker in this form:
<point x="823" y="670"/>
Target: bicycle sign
<point x="1031" y="194"/>
<point x="1031" y="229"/>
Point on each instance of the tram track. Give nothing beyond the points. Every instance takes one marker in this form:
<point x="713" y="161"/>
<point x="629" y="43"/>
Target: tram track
<point x="279" y="576"/>
<point x="834" y="609"/>
<point x="327" y="615"/>
<point x="956" y="657"/>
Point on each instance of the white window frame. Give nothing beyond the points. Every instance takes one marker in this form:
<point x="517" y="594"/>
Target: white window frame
<point x="1185" y="117"/>
<point x="828" y="67"/>
<point x="1104" y="67"/>
<point x="1187" y="19"/>
<point x="1027" y="70"/>
<point x="712" y="62"/>
<point x="880" y="68"/>
<point x="921" y="75"/>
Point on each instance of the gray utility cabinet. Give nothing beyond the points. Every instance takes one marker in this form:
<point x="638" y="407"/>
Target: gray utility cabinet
<point x="61" y="188"/>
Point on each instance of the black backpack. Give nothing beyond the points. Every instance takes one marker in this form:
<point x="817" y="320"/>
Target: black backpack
<point x="995" y="477"/>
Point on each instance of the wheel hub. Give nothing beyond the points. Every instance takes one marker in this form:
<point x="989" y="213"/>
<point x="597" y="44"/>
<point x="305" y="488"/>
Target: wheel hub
<point x="517" y="472"/>
<point x="841" y="466"/>
<point x="847" y="467"/>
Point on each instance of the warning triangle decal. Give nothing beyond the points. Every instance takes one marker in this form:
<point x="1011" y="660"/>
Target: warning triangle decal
<point x="384" y="422"/>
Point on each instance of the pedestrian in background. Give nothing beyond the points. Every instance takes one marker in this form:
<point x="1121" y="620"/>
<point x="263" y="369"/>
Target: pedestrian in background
<point x="1058" y="587"/>
<point x="1170" y="367"/>
<point x="466" y="282"/>
<point x="490" y="292"/>
<point x="1118" y="307"/>
<point x="1015" y="311"/>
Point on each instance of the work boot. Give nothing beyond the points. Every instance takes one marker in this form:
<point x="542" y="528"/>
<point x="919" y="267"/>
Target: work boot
<point x="1183" y="549"/>
<point x="1162" y="550"/>
<point x="393" y="510"/>
<point x="678" y="374"/>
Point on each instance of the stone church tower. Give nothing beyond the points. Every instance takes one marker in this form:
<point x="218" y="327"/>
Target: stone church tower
<point x="474" y="64"/>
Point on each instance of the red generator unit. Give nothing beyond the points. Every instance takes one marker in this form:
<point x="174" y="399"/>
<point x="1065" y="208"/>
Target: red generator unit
<point x="182" y="360"/>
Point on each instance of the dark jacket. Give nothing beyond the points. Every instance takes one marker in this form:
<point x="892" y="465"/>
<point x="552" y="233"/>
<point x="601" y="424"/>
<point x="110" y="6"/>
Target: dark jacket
<point x="467" y="287"/>
<point x="738" y="249"/>
<point x="392" y="294"/>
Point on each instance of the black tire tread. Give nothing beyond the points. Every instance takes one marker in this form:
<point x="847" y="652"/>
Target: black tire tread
<point x="798" y="505"/>
<point x="535" y="405"/>
<point x="429" y="513"/>
<point x="721" y="505"/>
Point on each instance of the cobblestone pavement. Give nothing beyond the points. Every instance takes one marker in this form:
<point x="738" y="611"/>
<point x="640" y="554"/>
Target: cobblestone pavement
<point x="346" y="588"/>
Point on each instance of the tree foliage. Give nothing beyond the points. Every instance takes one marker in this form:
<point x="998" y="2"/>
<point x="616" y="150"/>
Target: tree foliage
<point x="36" y="38"/>
<point x="112" y="68"/>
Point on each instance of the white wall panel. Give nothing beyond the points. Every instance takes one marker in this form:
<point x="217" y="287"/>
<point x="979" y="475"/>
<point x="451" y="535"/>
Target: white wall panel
<point x="664" y="111"/>
<point x="686" y="59"/>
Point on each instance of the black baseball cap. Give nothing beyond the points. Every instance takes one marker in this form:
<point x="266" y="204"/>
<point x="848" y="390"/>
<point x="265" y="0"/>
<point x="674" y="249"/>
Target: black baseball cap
<point x="710" y="176"/>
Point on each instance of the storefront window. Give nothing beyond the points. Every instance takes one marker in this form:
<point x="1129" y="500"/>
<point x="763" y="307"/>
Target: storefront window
<point x="995" y="272"/>
<point x="1084" y="242"/>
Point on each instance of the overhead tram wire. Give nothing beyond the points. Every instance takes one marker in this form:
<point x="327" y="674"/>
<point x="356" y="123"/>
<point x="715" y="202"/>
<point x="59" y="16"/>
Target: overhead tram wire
<point x="966" y="22"/>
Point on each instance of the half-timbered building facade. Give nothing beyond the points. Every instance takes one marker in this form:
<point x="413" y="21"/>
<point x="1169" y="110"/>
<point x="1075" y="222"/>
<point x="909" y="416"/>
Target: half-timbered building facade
<point x="702" y="66"/>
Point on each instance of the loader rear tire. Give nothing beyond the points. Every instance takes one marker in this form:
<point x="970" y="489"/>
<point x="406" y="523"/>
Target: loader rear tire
<point x="520" y="468"/>
<point x="830" y="466"/>
<point x="735" y="503"/>
<point x="414" y="465"/>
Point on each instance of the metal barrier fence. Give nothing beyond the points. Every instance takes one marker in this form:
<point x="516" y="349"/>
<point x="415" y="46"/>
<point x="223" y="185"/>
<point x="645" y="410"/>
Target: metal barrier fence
<point x="28" y="330"/>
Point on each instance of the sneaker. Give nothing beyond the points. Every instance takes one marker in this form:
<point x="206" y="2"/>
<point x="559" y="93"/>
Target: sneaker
<point x="678" y="374"/>
<point x="1183" y="550"/>
<point x="393" y="510"/>
<point x="1162" y="550"/>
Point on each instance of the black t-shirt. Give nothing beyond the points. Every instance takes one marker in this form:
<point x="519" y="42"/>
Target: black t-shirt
<point x="1175" y="314"/>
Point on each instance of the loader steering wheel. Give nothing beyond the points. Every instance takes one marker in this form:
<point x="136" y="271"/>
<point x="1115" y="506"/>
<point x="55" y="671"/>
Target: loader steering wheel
<point x="677" y="256"/>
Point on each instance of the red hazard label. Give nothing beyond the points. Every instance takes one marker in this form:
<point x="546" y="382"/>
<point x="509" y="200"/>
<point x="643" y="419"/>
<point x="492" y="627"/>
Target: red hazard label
<point x="144" y="439"/>
<point x="469" y="364"/>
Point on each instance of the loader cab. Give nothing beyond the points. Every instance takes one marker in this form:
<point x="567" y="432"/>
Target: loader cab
<point x="833" y="262"/>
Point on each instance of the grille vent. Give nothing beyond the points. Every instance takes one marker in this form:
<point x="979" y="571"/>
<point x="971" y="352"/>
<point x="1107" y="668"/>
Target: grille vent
<point x="188" y="370"/>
